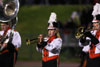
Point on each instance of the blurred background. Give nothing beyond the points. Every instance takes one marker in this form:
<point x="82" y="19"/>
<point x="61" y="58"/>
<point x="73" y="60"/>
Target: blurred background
<point x="33" y="20"/>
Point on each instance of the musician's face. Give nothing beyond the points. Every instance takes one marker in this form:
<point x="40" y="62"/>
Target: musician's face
<point x="96" y="26"/>
<point x="51" y="32"/>
<point x="4" y="26"/>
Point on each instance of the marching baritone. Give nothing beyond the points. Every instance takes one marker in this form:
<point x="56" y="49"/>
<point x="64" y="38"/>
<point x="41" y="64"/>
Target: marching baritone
<point x="9" y="52"/>
<point x="50" y="46"/>
<point x="91" y="40"/>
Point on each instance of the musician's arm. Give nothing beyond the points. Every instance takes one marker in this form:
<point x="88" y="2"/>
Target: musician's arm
<point x="16" y="41"/>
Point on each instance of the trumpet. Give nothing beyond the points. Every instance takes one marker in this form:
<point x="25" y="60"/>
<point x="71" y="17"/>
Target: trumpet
<point x="29" y="41"/>
<point x="36" y="40"/>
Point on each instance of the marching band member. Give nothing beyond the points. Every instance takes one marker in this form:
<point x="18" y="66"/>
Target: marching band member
<point x="92" y="48"/>
<point x="51" y="46"/>
<point x="9" y="52"/>
<point x="10" y="39"/>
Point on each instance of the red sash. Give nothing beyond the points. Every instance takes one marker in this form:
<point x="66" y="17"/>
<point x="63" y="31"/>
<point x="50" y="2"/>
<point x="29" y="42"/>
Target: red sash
<point x="92" y="49"/>
<point x="4" y="34"/>
<point x="46" y="52"/>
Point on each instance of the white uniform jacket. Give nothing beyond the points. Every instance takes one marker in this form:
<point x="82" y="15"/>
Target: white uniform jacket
<point x="53" y="48"/>
<point x="87" y="47"/>
<point x="16" y="39"/>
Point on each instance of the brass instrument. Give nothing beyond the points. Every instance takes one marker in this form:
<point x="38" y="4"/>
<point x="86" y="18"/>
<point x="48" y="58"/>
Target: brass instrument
<point x="79" y="33"/>
<point x="35" y="40"/>
<point x="81" y="30"/>
<point x="29" y="41"/>
<point x="9" y="10"/>
<point x="8" y="14"/>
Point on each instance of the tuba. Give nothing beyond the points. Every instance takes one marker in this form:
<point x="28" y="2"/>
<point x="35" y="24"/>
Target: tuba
<point x="8" y="9"/>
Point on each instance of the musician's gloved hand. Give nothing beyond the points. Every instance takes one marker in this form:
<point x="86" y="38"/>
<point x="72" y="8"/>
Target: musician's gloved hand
<point x="94" y="40"/>
<point x="40" y="38"/>
<point x="88" y="34"/>
<point x="42" y="45"/>
<point x="83" y="39"/>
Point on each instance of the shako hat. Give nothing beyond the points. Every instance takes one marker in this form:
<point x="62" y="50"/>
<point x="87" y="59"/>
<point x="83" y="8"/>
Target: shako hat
<point x="96" y="19"/>
<point x="52" y="23"/>
<point x="96" y="13"/>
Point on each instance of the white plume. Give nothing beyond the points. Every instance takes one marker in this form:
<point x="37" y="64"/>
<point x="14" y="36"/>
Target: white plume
<point x="96" y="9"/>
<point x="52" y="18"/>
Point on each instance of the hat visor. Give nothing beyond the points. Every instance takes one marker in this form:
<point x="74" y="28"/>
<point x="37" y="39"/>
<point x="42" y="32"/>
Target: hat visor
<point x="95" y="21"/>
<point x="51" y="28"/>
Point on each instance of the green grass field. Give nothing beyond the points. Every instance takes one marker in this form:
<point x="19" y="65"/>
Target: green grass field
<point x="33" y="20"/>
<point x="39" y="64"/>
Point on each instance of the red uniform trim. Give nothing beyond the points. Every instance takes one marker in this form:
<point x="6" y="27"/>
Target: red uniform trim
<point x="92" y="49"/>
<point x="46" y="52"/>
<point x="5" y="51"/>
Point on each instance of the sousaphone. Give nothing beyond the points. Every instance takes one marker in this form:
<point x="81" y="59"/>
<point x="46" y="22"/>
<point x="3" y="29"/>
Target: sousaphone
<point x="8" y="10"/>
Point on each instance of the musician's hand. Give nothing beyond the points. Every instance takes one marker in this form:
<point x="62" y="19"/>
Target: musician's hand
<point x="83" y="39"/>
<point x="88" y="34"/>
<point x="4" y="45"/>
<point x="40" y="38"/>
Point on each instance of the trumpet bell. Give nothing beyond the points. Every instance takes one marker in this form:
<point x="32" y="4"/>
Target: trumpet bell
<point x="9" y="10"/>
